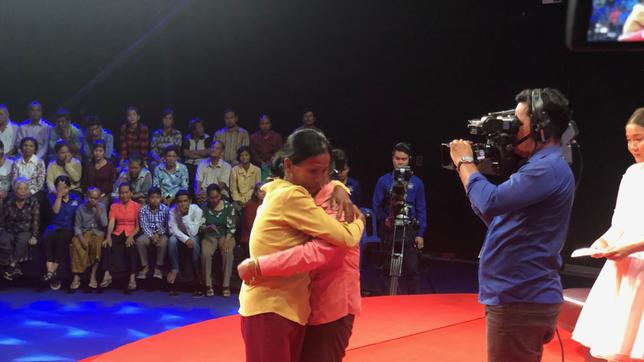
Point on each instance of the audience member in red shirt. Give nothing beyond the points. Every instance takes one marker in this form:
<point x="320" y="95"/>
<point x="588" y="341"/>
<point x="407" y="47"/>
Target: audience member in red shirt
<point x="135" y="136"/>
<point x="248" y="217"/>
<point x="263" y="145"/>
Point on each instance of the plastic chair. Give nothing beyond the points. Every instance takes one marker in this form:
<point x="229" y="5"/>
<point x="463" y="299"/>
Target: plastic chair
<point x="369" y="238"/>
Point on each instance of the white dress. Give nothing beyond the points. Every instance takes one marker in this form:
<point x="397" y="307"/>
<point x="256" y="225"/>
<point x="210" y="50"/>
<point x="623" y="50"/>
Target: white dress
<point x="611" y="322"/>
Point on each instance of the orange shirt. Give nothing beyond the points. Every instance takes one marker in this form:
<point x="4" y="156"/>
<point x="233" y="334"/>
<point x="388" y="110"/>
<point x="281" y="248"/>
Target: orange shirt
<point x="125" y="217"/>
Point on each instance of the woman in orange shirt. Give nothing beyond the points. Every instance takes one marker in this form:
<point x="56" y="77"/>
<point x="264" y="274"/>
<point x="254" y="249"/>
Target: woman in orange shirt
<point x="122" y="228"/>
<point x="276" y="309"/>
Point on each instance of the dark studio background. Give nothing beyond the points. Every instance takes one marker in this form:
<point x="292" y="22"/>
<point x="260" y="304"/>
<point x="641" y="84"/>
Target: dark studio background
<point x="375" y="72"/>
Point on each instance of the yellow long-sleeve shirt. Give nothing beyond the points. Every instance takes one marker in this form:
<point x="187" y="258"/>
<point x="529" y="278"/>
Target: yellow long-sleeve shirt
<point x="289" y="217"/>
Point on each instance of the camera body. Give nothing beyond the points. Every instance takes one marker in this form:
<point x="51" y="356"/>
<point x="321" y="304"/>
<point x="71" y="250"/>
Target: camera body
<point x="494" y="156"/>
<point x="399" y="209"/>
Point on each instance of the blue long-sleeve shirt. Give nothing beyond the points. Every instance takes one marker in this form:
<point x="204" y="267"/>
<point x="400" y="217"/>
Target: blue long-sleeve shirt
<point x="415" y="198"/>
<point x="527" y="218"/>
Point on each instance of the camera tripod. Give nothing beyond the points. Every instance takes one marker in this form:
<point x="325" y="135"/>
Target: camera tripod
<point x="400" y="227"/>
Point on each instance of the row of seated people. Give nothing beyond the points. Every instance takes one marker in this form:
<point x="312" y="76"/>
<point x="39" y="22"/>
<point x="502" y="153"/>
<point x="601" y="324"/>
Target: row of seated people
<point x="91" y="237"/>
<point x="135" y="138"/>
<point x="169" y="175"/>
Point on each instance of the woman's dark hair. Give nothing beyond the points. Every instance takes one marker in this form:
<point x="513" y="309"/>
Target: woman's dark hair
<point x="154" y="191"/>
<point x="229" y="110"/>
<point x="637" y="117"/>
<point x="64" y="179"/>
<point x="304" y="144"/>
<point x="166" y="112"/>
<point x="211" y="188"/>
<point x="339" y="162"/>
<point x="168" y="149"/>
<point x="256" y="189"/>
<point x="182" y="193"/>
<point x="29" y="139"/>
<point x="62" y="113"/>
<point x="132" y="108"/>
<point x="555" y="105"/>
<point x="241" y="150"/>
<point x="98" y="143"/>
<point x="277" y="164"/>
<point x="59" y="145"/>
<point x="92" y="120"/>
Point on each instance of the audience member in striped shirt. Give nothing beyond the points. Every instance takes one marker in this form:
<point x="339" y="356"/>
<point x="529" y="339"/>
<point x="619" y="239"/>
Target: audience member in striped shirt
<point x="232" y="136"/>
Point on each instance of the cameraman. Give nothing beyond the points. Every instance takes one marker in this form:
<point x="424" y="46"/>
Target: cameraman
<point x="413" y="237"/>
<point x="527" y="218"/>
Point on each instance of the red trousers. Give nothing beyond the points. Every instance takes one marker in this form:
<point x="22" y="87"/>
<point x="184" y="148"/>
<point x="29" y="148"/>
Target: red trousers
<point x="270" y="337"/>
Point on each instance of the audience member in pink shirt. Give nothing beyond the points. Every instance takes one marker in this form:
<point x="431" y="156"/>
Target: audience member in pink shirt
<point x="335" y="284"/>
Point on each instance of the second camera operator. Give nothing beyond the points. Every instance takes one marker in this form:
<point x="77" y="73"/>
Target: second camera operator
<point x="416" y="210"/>
<point x="527" y="218"/>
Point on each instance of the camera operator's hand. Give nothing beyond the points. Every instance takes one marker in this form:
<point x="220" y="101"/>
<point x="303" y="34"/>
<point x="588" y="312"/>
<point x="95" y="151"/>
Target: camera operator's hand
<point x="420" y="242"/>
<point x="459" y="149"/>
<point x="341" y="201"/>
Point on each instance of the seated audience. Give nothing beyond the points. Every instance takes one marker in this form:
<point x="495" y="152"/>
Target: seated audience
<point x="263" y="145"/>
<point x="219" y="233"/>
<point x="8" y="131"/>
<point x="342" y="174"/>
<point x="248" y="214"/>
<point x="64" y="164"/>
<point x="94" y="131"/>
<point x="232" y="136"/>
<point x="195" y="147"/>
<point x="90" y="222"/>
<point x="21" y="217"/>
<point x="212" y="171"/>
<point x="122" y="228"/>
<point x="100" y="172"/>
<point x="138" y="177"/>
<point x="35" y="127"/>
<point x="164" y="137"/>
<point x="6" y="164"/>
<point x="171" y="175"/>
<point x="154" y="224"/>
<point x="60" y="231"/>
<point x="308" y="121"/>
<point x="134" y="136"/>
<point x="30" y="166"/>
<point x="243" y="178"/>
<point x="186" y="219"/>
<point x="66" y="131"/>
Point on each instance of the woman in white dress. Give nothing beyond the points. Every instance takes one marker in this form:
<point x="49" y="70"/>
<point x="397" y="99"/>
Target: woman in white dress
<point x="611" y="322"/>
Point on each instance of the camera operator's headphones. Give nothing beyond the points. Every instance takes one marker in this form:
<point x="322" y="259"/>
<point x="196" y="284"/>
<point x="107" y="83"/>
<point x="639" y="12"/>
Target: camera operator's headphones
<point x="539" y="119"/>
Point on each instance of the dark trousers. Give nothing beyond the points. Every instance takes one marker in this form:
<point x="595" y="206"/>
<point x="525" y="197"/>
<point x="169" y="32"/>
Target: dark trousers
<point x="518" y="331"/>
<point x="327" y="342"/>
<point x="56" y="243"/>
<point x="119" y="257"/>
<point x="270" y="337"/>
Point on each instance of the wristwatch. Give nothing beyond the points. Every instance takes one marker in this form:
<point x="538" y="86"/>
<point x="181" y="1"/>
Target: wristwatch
<point x="464" y="159"/>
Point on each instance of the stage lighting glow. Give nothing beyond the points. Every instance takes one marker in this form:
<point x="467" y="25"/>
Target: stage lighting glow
<point x="9" y="341"/>
<point x="42" y="358"/>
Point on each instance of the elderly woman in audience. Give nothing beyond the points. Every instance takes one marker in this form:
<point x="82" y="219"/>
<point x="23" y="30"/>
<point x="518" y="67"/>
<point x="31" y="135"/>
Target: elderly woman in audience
<point x="219" y="233"/>
<point x="100" y="172"/>
<point x="90" y="221"/>
<point x="170" y="176"/>
<point x="30" y="166"/>
<point x="6" y="165"/>
<point x="60" y="231"/>
<point x="21" y="217"/>
<point x="243" y="177"/>
<point x="64" y="164"/>
<point x="123" y="225"/>
<point x="137" y="176"/>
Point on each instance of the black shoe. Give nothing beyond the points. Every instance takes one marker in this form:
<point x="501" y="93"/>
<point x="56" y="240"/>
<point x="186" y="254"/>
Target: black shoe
<point x="47" y="277"/>
<point x="198" y="293"/>
<point x="173" y="293"/>
<point x="16" y="271"/>
<point x="54" y="283"/>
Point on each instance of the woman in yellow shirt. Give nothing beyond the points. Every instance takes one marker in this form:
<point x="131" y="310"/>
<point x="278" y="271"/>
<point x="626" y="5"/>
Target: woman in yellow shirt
<point x="275" y="310"/>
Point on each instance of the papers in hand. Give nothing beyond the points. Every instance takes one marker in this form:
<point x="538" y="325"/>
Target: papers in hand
<point x="585" y="252"/>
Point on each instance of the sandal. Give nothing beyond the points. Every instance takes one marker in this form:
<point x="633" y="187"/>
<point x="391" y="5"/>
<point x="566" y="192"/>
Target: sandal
<point x="225" y="292"/>
<point x="210" y="292"/>
<point x="93" y="284"/>
<point x="75" y="284"/>
<point x="131" y="285"/>
<point x="106" y="282"/>
<point x="47" y="277"/>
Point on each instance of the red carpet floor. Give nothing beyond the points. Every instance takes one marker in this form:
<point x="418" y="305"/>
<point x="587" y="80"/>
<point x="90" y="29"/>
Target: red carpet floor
<point x="436" y="327"/>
